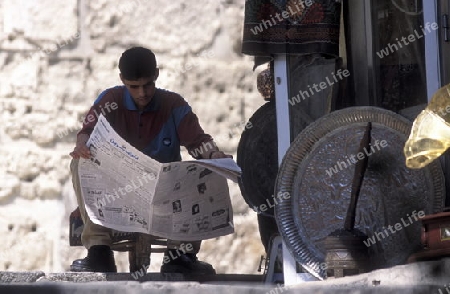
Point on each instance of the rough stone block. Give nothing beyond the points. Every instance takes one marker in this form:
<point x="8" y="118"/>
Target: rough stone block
<point x="9" y="185"/>
<point x="217" y="94"/>
<point x="24" y="241"/>
<point x="28" y="190"/>
<point x="30" y="231"/>
<point x="48" y="186"/>
<point x="104" y="73"/>
<point x="19" y="75"/>
<point x="163" y="26"/>
<point x="228" y="41"/>
<point x="2" y="16"/>
<point x="32" y="174"/>
<point x="41" y="20"/>
<point x="238" y="202"/>
<point x="40" y="127"/>
<point x="20" y="277"/>
<point x="62" y="86"/>
<point x="67" y="128"/>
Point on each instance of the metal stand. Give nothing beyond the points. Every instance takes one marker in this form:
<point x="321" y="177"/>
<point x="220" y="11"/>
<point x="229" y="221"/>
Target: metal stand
<point x="283" y="127"/>
<point x="272" y="276"/>
<point x="281" y="79"/>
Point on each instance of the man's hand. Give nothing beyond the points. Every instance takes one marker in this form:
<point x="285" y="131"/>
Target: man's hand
<point x="219" y="154"/>
<point x="81" y="150"/>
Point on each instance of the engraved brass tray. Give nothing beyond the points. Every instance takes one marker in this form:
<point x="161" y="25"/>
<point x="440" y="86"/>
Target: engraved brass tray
<point x="319" y="197"/>
<point x="257" y="154"/>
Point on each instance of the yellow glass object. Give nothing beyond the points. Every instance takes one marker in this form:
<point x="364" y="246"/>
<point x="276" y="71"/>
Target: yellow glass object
<point x="430" y="134"/>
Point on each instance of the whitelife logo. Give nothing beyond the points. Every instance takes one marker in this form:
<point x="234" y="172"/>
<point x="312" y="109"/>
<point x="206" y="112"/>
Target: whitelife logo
<point x="281" y="16"/>
<point x="360" y="156"/>
<point x="391" y="48"/>
<point x="184" y="248"/>
<point x="336" y="77"/>
<point x="90" y="118"/>
<point x="147" y="177"/>
<point x="398" y="227"/>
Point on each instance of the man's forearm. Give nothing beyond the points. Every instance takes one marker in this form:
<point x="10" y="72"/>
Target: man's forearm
<point x="213" y="152"/>
<point x="82" y="139"/>
<point x="81" y="150"/>
<point x="208" y="153"/>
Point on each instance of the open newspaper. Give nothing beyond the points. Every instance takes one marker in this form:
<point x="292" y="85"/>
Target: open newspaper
<point x="128" y="191"/>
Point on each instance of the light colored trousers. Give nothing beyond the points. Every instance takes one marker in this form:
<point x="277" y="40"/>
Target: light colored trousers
<point x="94" y="234"/>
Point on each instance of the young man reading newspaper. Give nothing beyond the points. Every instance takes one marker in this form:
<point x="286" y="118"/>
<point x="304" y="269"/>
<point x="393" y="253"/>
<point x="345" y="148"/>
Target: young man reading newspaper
<point x="156" y="122"/>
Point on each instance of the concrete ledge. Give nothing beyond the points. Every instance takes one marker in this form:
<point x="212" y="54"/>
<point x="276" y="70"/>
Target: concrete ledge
<point x="422" y="277"/>
<point x="415" y="274"/>
<point x="103" y="277"/>
<point x="20" y="277"/>
<point x="196" y="288"/>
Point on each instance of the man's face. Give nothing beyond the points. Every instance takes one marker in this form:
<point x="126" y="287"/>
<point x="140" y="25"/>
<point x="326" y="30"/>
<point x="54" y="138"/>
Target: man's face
<point x="141" y="90"/>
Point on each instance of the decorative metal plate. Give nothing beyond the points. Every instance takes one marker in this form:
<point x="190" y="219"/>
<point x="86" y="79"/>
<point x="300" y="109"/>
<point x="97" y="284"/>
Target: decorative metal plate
<point x="320" y="198"/>
<point x="257" y="154"/>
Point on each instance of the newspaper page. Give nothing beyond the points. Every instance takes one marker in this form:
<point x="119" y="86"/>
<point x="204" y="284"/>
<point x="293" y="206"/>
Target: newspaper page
<point x="199" y="202"/>
<point x="223" y="166"/>
<point x="128" y="191"/>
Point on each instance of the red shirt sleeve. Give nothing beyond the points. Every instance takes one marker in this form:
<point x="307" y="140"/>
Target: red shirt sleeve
<point x="105" y="104"/>
<point x="198" y="143"/>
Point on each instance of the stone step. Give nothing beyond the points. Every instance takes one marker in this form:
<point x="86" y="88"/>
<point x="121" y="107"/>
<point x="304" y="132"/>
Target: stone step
<point x="421" y="277"/>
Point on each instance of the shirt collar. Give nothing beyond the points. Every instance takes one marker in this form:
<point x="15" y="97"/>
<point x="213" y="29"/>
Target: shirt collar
<point x="130" y="105"/>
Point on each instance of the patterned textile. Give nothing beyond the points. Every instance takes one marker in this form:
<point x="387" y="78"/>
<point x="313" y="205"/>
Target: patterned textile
<point x="291" y="27"/>
<point x="265" y="84"/>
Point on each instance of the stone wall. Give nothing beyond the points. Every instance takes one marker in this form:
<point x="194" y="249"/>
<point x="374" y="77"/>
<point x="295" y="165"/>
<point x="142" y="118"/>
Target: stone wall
<point x="56" y="57"/>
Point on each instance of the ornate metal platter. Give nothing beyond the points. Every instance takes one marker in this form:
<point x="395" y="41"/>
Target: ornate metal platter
<point x="257" y="154"/>
<point x="317" y="172"/>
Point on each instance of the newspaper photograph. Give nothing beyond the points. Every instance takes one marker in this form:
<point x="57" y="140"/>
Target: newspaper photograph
<point x="128" y="191"/>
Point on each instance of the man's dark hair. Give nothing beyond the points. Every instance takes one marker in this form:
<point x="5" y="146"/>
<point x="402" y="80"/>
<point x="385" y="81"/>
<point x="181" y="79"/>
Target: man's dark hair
<point x="136" y="63"/>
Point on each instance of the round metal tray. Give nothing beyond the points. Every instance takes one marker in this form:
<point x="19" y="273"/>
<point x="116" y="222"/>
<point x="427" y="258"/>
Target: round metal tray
<point x="319" y="198"/>
<point x="257" y="154"/>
